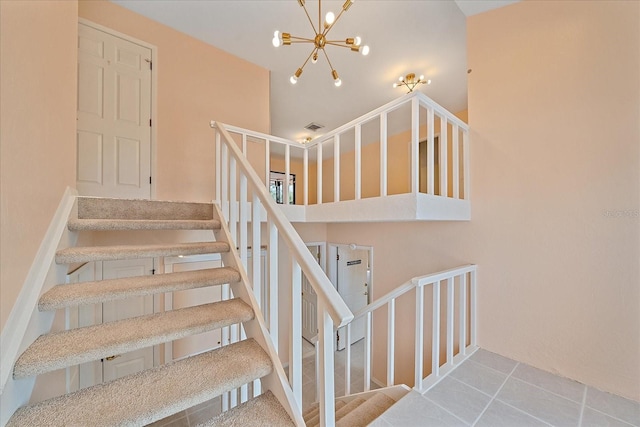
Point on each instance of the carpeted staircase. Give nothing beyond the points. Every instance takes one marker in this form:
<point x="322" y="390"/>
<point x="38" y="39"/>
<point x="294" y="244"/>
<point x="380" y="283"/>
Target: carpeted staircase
<point x="150" y="395"/>
<point x="356" y="412"/>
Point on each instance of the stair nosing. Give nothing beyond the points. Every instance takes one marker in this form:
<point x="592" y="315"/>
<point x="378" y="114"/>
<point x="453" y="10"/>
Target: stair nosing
<point x="126" y="335"/>
<point x="95" y="292"/>
<point x="157" y="392"/>
<point x="116" y="252"/>
<point x="101" y="224"/>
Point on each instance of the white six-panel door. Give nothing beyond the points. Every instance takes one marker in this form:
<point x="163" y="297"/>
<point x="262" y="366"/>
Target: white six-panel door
<point x="114" y="116"/>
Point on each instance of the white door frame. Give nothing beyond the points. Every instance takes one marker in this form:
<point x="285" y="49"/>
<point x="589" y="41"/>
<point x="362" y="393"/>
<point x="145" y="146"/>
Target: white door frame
<point x="154" y="92"/>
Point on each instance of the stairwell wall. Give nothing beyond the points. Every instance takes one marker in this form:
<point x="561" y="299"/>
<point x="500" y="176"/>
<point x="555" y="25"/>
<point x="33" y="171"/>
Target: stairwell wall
<point x="554" y="102"/>
<point x="37" y="136"/>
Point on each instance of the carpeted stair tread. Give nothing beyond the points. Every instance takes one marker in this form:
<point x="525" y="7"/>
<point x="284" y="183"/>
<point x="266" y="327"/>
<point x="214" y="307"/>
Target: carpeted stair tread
<point x="350" y="406"/>
<point x="106" y="253"/>
<point x="368" y="411"/>
<point x="71" y="347"/>
<point x="141" y="224"/>
<point x="73" y="294"/>
<point x="154" y="394"/>
<point x="312" y="415"/>
<point x="105" y="208"/>
<point x="261" y="411"/>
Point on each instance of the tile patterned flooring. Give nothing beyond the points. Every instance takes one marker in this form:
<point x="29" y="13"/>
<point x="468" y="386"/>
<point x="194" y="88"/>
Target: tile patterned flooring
<point x="487" y="390"/>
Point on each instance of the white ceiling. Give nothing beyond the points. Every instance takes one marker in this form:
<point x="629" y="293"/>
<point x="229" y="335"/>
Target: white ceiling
<point x="424" y="37"/>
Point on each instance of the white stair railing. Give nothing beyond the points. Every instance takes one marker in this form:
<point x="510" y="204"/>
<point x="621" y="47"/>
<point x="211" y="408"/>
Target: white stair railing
<point x="460" y="333"/>
<point x="415" y="116"/>
<point x="245" y="203"/>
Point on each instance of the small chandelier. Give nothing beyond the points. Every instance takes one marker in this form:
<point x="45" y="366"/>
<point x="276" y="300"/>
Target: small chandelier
<point x="410" y="81"/>
<point x="320" y="40"/>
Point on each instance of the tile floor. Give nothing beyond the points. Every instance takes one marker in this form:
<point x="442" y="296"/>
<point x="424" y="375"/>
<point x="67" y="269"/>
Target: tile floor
<point x="487" y="390"/>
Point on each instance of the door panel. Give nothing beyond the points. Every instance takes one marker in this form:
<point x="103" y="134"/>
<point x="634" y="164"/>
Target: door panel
<point x="114" y="103"/>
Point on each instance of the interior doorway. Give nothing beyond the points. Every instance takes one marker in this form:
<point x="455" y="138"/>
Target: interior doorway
<point x="114" y="114"/>
<point x="350" y="271"/>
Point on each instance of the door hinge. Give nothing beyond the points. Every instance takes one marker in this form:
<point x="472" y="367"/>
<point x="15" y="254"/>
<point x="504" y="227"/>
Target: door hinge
<point x="338" y="257"/>
<point x="150" y="62"/>
<point x="149" y="122"/>
<point x="149" y="180"/>
<point x="153" y="271"/>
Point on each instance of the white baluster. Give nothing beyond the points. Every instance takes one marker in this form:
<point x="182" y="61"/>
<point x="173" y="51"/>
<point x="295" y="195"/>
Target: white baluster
<point x="256" y="249"/>
<point x="443" y="150"/>
<point x="450" y="317"/>
<point x="435" y="334"/>
<point x="455" y="161"/>
<point x="463" y="314"/>
<point x="267" y="163"/>
<point x="419" y="341"/>
<point x="358" y="165"/>
<point x="472" y="307"/>
<point x="319" y="174"/>
<point x="325" y="371"/>
<point x="295" y="333"/>
<point x="305" y="175"/>
<point x="466" y="160"/>
<point x="367" y="351"/>
<point x="391" y="342"/>
<point x="415" y="142"/>
<point x="287" y="172"/>
<point x="272" y="254"/>
<point x="336" y="168"/>
<point x="430" y="152"/>
<point x="218" y="194"/>
<point x="233" y="210"/>
<point x="347" y="366"/>
<point x="224" y="198"/>
<point x="244" y="213"/>
<point x="383" y="154"/>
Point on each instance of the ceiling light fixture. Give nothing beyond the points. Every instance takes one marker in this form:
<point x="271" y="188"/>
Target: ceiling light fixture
<point x="320" y="41"/>
<point x="410" y="81"/>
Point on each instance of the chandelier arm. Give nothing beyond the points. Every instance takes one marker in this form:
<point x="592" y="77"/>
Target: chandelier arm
<point x="307" y="60"/>
<point x="301" y="40"/>
<point x="328" y="61"/>
<point x="326" y="30"/>
<point x="337" y="43"/>
<point x="319" y="16"/>
<point x="309" y="18"/>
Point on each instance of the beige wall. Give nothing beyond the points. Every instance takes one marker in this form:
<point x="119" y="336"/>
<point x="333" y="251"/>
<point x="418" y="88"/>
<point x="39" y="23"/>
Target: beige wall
<point x="37" y="136"/>
<point x="554" y="111"/>
<point x="193" y="88"/>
